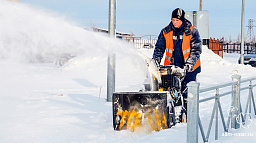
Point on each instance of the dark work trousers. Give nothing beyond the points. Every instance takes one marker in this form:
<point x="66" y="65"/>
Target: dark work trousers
<point x="188" y="78"/>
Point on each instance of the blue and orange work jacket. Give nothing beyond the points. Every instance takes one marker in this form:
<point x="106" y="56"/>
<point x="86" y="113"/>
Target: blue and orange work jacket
<point x="185" y="48"/>
<point x="191" y="46"/>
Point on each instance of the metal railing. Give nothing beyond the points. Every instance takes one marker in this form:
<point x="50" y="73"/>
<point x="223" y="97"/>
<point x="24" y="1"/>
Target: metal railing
<point x="236" y="47"/>
<point x="235" y="114"/>
<point x="143" y="42"/>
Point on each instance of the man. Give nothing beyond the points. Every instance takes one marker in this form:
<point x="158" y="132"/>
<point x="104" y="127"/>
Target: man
<point x="182" y="44"/>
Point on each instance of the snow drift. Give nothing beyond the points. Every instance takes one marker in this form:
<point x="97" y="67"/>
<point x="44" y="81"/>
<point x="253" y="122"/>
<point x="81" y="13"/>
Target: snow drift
<point x="30" y="35"/>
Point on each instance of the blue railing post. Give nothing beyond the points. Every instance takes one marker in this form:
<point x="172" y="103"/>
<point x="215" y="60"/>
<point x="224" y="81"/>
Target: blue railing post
<point x="236" y="103"/>
<point x="192" y="112"/>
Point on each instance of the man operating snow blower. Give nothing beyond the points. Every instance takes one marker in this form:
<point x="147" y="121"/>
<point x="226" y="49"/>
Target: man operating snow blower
<point x="182" y="44"/>
<point x="164" y="101"/>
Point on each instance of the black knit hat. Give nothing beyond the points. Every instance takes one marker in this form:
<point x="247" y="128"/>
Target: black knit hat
<point x="178" y="13"/>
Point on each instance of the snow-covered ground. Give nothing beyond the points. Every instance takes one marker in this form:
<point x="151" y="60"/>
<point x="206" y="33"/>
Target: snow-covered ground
<point x="41" y="101"/>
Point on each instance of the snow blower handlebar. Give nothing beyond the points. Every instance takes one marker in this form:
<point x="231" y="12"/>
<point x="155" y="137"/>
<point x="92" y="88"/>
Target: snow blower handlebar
<point x="172" y="68"/>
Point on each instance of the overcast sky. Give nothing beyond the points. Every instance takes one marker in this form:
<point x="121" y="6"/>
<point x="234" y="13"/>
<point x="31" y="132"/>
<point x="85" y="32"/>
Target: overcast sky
<point x="148" y="17"/>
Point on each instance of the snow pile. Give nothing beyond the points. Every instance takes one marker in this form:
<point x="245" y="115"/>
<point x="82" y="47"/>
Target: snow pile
<point x="215" y="70"/>
<point x="43" y="102"/>
<point x="30" y="35"/>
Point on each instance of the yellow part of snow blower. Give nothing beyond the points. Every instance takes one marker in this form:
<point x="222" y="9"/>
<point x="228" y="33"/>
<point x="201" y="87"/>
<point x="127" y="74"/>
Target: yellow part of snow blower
<point x="156" y="121"/>
<point x="131" y="109"/>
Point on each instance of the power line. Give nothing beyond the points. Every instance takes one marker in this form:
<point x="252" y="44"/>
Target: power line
<point x="250" y="33"/>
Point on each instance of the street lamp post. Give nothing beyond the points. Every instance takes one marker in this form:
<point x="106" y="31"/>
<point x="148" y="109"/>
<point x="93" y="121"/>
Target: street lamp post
<point x="242" y="34"/>
<point x="112" y="18"/>
<point x="111" y="56"/>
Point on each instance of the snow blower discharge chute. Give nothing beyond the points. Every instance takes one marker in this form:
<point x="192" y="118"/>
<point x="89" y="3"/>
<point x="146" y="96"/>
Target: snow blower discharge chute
<point x="159" y="107"/>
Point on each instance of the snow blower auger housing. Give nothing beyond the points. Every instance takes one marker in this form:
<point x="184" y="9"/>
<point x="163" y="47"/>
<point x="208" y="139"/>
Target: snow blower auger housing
<point x="132" y="109"/>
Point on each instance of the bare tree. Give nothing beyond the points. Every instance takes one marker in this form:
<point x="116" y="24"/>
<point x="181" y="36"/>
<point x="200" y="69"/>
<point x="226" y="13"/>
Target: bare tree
<point x="253" y="39"/>
<point x="230" y="39"/>
<point x="238" y="40"/>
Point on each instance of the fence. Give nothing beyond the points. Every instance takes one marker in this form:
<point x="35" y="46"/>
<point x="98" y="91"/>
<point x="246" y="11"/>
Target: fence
<point x="235" y="113"/>
<point x="216" y="46"/>
<point x="144" y="41"/>
<point x="236" y="47"/>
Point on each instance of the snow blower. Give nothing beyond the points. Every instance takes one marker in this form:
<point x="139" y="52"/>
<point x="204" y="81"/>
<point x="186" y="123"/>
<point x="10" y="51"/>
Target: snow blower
<point x="160" y="106"/>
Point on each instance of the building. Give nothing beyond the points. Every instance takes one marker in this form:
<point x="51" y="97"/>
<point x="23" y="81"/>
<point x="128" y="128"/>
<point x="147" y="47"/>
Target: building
<point x="120" y="35"/>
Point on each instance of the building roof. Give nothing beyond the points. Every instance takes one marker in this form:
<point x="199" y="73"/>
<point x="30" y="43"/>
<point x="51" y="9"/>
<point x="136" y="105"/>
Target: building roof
<point x="118" y="34"/>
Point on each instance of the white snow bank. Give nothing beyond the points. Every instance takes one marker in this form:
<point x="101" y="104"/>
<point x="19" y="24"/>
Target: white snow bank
<point x="30" y="35"/>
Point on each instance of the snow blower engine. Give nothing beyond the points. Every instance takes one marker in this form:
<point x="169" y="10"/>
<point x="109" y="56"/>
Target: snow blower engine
<point x="159" y="107"/>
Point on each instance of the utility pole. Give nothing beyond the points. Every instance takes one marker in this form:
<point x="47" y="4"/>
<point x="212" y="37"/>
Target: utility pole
<point x="201" y="5"/>
<point x="242" y="34"/>
<point x="111" y="55"/>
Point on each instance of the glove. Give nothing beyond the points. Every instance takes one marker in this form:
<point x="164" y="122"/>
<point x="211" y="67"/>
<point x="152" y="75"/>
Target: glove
<point x="157" y="61"/>
<point x="188" y="67"/>
<point x="177" y="71"/>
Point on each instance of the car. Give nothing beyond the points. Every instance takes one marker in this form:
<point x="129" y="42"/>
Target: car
<point x="249" y="59"/>
<point x="148" y="46"/>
